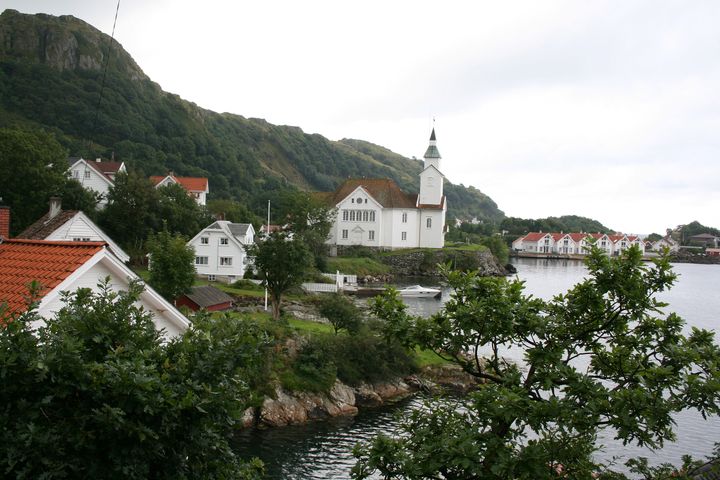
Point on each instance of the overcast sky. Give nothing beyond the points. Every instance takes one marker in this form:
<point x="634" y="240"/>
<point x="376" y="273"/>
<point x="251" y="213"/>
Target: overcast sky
<point x="609" y="110"/>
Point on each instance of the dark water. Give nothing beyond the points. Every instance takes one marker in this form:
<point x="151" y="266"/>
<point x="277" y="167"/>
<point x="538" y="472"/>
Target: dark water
<point x="323" y="450"/>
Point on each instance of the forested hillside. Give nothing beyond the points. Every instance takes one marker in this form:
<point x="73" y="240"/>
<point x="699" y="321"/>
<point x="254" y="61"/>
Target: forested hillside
<point x="52" y="78"/>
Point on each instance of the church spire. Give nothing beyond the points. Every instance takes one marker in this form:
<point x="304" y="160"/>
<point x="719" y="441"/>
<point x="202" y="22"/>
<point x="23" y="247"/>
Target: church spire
<point x="432" y="154"/>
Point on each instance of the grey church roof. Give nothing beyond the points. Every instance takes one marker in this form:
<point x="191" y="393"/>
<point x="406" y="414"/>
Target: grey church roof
<point x="432" y="152"/>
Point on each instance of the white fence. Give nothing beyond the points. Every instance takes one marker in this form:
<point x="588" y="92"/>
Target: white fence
<point x="345" y="278"/>
<point x="320" y="287"/>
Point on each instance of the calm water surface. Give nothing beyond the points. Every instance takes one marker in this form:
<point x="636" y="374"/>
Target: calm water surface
<point x="322" y="450"/>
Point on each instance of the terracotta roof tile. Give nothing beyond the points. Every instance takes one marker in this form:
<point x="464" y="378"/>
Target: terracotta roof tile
<point x="49" y="263"/>
<point x="191" y="184"/>
<point x="44" y="226"/>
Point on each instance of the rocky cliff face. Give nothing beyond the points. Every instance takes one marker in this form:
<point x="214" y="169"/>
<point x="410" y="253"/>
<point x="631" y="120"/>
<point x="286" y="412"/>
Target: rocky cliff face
<point x="62" y="43"/>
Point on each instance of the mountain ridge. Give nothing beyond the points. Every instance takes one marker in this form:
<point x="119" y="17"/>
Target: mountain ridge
<point x="51" y="77"/>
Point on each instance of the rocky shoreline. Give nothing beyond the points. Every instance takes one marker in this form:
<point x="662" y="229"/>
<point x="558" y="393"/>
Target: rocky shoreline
<point x="292" y="408"/>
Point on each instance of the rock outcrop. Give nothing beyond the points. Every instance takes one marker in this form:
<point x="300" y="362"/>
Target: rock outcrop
<point x="289" y="408"/>
<point x="425" y="262"/>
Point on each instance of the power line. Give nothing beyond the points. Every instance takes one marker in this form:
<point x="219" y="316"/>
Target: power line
<point x="107" y="64"/>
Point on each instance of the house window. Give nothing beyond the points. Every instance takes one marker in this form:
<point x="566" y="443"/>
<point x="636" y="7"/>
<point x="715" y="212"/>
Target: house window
<point x="204" y="240"/>
<point x="372" y="215"/>
<point x="404" y="217"/>
<point x="76" y="174"/>
<point x="346" y="215"/>
<point x="211" y="278"/>
<point x="223" y="241"/>
<point x="226" y="261"/>
<point x="87" y="173"/>
<point x="345" y="234"/>
<point x="81" y="239"/>
<point x="201" y="260"/>
<point x="403" y="236"/>
<point x="371" y="234"/>
<point x="428" y="222"/>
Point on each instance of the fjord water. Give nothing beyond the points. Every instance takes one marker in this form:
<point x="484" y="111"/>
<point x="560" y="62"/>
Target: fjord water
<point x="322" y="450"/>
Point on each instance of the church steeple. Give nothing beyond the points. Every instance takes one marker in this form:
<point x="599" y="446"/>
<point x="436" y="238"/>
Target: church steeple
<point x="432" y="154"/>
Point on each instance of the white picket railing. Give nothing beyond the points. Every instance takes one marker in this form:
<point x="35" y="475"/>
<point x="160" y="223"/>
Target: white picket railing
<point x="320" y="287"/>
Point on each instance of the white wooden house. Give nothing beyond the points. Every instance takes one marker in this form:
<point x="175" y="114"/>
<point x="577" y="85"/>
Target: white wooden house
<point x="377" y="213"/>
<point x="220" y="250"/>
<point x="70" y="225"/>
<point x="66" y="266"/>
<point x="575" y="243"/>
<point x="197" y="187"/>
<point x="96" y="175"/>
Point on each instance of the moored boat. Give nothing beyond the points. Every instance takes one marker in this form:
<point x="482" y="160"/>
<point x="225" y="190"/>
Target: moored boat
<point x="419" y="291"/>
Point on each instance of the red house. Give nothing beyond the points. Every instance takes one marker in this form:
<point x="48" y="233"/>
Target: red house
<point x="205" y="297"/>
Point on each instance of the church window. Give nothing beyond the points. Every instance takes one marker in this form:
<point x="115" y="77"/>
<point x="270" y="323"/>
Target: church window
<point x="371" y="234"/>
<point x="345" y="234"/>
<point x="352" y="215"/>
<point x="346" y="215"/>
<point x="372" y="215"/>
<point x="366" y="216"/>
<point x="359" y="200"/>
<point x="404" y="217"/>
<point x="428" y="222"/>
<point x="403" y="236"/>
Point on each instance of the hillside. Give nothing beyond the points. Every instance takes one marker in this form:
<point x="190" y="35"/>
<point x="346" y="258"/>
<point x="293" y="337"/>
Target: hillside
<point x="52" y="77"/>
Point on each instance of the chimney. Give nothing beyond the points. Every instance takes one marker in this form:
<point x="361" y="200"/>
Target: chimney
<point x="4" y="222"/>
<point x="98" y="160"/>
<point x="55" y="207"/>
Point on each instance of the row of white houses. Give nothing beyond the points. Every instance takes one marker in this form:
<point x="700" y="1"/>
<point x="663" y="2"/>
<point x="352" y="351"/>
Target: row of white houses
<point x="576" y="243"/>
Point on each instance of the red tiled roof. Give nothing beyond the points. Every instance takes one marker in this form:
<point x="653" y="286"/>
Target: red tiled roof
<point x="44" y="227"/>
<point x="49" y="263"/>
<point x="534" y="236"/>
<point x="385" y="191"/>
<point x="191" y="184"/>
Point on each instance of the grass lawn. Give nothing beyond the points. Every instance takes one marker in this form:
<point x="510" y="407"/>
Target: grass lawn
<point x="428" y="357"/>
<point x="357" y="266"/>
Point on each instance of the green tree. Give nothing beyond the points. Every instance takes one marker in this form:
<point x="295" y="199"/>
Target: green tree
<point x="234" y="212"/>
<point x="310" y="219"/>
<point x="180" y="211"/>
<point x="98" y="393"/>
<point x="282" y="263"/>
<point x="32" y="169"/>
<point x="132" y="212"/>
<point x="603" y="355"/>
<point x="172" y="264"/>
<point x="341" y="312"/>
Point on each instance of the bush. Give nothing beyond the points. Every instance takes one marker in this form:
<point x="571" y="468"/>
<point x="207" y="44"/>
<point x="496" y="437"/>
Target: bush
<point x="313" y="370"/>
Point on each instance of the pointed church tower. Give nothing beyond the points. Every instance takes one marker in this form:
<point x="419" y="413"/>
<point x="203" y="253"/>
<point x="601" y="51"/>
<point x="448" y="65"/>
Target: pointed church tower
<point x="432" y="154"/>
<point x="431" y="179"/>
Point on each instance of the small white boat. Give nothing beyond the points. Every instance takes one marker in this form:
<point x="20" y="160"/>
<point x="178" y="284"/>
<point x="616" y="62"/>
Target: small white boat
<point x="419" y="291"/>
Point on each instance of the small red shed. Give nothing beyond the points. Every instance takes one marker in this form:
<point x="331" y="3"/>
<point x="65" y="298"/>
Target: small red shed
<point x="206" y="297"/>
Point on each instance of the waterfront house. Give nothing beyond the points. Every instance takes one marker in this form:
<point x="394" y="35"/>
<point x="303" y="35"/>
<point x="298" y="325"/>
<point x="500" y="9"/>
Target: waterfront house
<point x="197" y="187"/>
<point x="220" y="250"/>
<point x="575" y="243"/>
<point x="704" y="240"/>
<point x="70" y="225"/>
<point x="666" y="242"/>
<point x="58" y="266"/>
<point x="96" y="175"/>
<point x="377" y="213"/>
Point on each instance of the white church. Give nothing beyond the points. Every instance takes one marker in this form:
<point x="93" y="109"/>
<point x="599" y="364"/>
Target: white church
<point x="377" y="213"/>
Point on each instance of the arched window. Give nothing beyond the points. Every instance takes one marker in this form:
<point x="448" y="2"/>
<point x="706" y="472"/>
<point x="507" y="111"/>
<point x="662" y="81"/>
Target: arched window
<point x="428" y="222"/>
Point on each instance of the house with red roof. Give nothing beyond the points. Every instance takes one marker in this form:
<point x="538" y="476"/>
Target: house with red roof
<point x="96" y="175"/>
<point x="377" y="213"/>
<point x="575" y="243"/>
<point x="197" y="187"/>
<point x="56" y="267"/>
